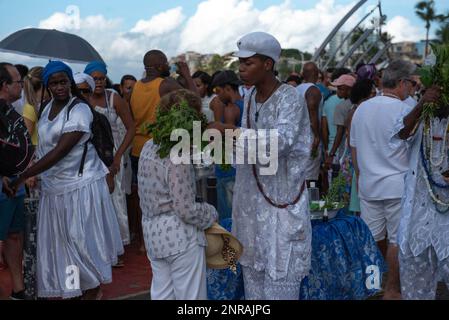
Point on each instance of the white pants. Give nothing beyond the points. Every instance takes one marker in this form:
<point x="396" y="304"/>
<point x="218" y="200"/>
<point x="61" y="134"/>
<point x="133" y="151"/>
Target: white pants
<point x="180" y="277"/>
<point x="420" y="275"/>
<point x="259" y="286"/>
<point x="382" y="218"/>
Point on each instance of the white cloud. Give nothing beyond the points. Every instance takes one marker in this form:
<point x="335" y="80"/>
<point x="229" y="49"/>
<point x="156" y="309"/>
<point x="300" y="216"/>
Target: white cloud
<point x="403" y="30"/>
<point x="214" y="27"/>
<point x="217" y="25"/>
<point x="161" y="23"/>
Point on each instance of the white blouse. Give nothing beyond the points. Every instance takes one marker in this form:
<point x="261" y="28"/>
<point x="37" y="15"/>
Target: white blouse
<point x="63" y="176"/>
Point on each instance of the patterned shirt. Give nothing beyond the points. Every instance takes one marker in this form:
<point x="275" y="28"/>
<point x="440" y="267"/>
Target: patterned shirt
<point x="421" y="225"/>
<point x="277" y="241"/>
<point x="171" y="219"/>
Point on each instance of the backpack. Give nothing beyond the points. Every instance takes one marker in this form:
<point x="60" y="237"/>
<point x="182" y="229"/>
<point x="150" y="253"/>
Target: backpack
<point x="16" y="149"/>
<point x="102" y="138"/>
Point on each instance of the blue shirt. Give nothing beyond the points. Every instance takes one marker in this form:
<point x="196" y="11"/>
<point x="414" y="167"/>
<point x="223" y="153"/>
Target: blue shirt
<point x="324" y="90"/>
<point x="231" y="173"/>
<point x="328" y="112"/>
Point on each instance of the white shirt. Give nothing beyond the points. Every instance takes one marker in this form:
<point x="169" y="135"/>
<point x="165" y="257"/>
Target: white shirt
<point x="411" y="101"/>
<point x="383" y="159"/>
<point x="63" y="177"/>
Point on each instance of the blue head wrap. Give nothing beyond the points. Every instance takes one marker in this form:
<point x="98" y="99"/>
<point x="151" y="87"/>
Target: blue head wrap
<point x="54" y="67"/>
<point x="98" y="66"/>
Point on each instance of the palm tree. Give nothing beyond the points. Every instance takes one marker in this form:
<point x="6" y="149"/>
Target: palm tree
<point x="426" y="11"/>
<point x="443" y="32"/>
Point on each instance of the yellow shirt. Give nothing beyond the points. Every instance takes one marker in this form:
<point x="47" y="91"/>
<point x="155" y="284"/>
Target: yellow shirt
<point x="144" y="102"/>
<point x="29" y="112"/>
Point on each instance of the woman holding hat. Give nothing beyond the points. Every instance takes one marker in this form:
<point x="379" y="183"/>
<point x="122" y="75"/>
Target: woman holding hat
<point x="110" y="104"/>
<point x="173" y="222"/>
<point x="78" y="234"/>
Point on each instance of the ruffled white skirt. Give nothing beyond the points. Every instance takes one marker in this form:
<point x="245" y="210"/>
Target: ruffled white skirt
<point x="78" y="240"/>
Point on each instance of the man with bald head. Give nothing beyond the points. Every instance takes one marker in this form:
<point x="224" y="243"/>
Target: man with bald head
<point x="311" y="96"/>
<point x="144" y="101"/>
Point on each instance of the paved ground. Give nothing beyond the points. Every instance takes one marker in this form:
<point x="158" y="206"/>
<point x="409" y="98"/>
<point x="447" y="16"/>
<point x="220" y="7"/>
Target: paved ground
<point x="133" y="281"/>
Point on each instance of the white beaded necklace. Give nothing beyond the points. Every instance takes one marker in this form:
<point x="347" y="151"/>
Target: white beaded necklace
<point x="430" y="139"/>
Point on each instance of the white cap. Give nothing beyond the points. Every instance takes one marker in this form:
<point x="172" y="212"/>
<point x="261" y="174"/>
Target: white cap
<point x="259" y="43"/>
<point x="82" y="77"/>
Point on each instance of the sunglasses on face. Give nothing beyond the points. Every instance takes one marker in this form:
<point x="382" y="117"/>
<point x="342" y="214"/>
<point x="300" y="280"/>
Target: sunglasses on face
<point x="99" y="79"/>
<point x="85" y="91"/>
<point x="413" y="82"/>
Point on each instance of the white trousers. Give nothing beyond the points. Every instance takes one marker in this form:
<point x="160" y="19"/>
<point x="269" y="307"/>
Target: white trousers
<point x="259" y="286"/>
<point x="420" y="275"/>
<point x="180" y="277"/>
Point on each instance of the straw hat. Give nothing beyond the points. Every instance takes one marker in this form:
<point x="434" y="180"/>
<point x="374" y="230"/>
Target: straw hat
<point x="223" y="249"/>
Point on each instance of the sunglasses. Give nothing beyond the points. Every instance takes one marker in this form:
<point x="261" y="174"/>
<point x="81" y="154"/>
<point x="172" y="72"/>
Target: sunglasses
<point x="97" y="79"/>
<point x="413" y="82"/>
<point x="85" y="91"/>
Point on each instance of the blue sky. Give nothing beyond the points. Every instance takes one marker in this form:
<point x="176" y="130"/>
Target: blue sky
<point x="200" y="25"/>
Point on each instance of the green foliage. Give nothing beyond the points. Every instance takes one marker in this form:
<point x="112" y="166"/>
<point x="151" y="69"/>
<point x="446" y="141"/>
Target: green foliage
<point x="180" y="116"/>
<point x="437" y="75"/>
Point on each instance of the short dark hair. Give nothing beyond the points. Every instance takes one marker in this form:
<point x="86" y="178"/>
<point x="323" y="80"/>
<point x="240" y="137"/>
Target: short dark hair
<point x="5" y="76"/>
<point x="126" y="78"/>
<point x="361" y="90"/>
<point x="265" y="58"/>
<point x="23" y="70"/>
<point x="294" y="78"/>
<point x="206" y="79"/>
<point x="339" y="72"/>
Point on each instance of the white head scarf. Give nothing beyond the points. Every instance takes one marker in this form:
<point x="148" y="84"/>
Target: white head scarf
<point x="82" y="77"/>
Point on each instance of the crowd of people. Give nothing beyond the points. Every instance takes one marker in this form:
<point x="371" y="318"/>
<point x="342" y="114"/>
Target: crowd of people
<point x="363" y="124"/>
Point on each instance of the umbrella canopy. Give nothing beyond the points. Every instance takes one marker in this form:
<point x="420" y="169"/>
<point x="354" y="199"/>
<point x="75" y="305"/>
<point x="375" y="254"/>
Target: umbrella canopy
<point x="50" y="44"/>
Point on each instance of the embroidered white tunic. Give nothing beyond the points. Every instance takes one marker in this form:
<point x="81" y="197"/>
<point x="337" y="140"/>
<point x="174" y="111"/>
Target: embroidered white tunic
<point x="277" y="241"/>
<point x="421" y="225"/>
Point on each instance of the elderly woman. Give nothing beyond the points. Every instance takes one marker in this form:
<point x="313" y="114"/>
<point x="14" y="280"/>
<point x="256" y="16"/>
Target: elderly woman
<point x="110" y="104"/>
<point x="173" y="222"/>
<point x="78" y="234"/>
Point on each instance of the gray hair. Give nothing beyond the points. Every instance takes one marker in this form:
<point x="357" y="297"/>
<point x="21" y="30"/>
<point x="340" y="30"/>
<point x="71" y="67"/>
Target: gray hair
<point x="397" y="70"/>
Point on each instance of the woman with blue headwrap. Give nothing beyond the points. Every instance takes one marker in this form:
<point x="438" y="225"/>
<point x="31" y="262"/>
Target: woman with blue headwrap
<point x="78" y="235"/>
<point x="111" y="105"/>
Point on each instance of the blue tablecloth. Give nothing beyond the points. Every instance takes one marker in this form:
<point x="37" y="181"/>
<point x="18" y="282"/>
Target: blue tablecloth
<point x="224" y="284"/>
<point x="342" y="250"/>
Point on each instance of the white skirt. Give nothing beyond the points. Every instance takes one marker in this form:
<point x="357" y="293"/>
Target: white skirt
<point x="78" y="241"/>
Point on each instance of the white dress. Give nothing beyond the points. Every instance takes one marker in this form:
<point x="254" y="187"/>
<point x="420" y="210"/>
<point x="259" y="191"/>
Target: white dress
<point x="123" y="178"/>
<point x="78" y="233"/>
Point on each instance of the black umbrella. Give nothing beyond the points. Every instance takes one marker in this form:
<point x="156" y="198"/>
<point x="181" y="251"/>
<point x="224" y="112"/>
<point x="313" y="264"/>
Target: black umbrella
<point x="50" y="44"/>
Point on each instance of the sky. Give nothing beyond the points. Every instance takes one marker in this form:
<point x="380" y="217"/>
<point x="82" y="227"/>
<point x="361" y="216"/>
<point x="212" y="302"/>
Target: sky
<point x="122" y="31"/>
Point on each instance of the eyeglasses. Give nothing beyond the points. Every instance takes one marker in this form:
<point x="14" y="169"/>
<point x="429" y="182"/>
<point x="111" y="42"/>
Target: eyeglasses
<point x="85" y="91"/>
<point x="21" y="82"/>
<point x="413" y="82"/>
<point x="96" y="79"/>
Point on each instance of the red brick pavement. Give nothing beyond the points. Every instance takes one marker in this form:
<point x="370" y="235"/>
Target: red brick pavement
<point x="133" y="279"/>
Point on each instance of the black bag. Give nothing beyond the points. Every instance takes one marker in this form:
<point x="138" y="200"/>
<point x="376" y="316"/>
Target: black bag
<point x="102" y="138"/>
<point x="16" y="149"/>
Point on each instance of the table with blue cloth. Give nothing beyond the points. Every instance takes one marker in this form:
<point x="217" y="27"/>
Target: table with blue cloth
<point x="344" y="254"/>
